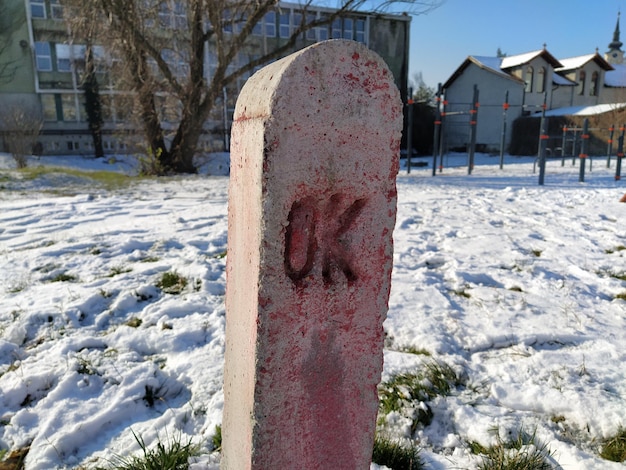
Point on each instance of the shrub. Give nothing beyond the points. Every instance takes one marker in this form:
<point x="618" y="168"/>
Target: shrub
<point x="20" y="126"/>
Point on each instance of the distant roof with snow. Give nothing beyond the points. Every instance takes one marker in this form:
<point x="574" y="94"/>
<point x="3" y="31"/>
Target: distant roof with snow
<point x="502" y="65"/>
<point x="521" y="59"/>
<point x="616" y="77"/>
<point x="585" y="110"/>
<point x="573" y="63"/>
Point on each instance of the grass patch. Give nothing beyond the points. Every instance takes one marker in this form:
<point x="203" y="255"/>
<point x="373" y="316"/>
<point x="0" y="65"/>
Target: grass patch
<point x="17" y="287"/>
<point x="461" y="293"/>
<point x="174" y="456"/>
<point x="519" y="453"/>
<point x="216" y="440"/>
<point x="407" y="393"/>
<point x="437" y="378"/>
<point x="134" y="322"/>
<point x="106" y="179"/>
<point x="614" y="448"/>
<point x="414" y="350"/>
<point x="172" y="283"/>
<point x="117" y="270"/>
<point x="617" y="249"/>
<point x="621" y="295"/>
<point x="395" y="455"/>
<point x="63" y="277"/>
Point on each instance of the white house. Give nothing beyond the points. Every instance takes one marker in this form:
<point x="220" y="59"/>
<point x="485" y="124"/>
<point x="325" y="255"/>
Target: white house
<point x="522" y="78"/>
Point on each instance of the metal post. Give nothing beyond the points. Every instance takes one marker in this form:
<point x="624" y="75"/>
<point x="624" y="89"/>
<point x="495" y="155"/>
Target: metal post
<point x="543" y="143"/>
<point x="437" y="136"/>
<point x="444" y="103"/>
<point x="473" y="120"/>
<point x="620" y="154"/>
<point x="574" y="146"/>
<point x="225" y="118"/>
<point x="505" y="108"/>
<point x="563" y="144"/>
<point x="583" y="150"/>
<point x="609" y="150"/>
<point x="409" y="135"/>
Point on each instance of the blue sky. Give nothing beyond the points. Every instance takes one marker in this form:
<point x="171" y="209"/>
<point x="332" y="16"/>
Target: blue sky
<point x="443" y="38"/>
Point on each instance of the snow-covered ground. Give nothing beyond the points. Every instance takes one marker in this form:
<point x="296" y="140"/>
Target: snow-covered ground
<point x="512" y="284"/>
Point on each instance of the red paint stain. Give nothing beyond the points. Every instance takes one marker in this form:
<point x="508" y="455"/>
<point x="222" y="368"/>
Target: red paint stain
<point x="351" y="78"/>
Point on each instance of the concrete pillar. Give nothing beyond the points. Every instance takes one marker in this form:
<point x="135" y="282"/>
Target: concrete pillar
<point x="312" y="204"/>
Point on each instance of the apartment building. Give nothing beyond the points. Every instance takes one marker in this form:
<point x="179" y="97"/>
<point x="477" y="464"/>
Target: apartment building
<point x="41" y="69"/>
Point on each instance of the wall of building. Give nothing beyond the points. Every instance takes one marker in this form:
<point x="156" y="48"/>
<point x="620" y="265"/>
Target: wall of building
<point x="16" y="63"/>
<point x="582" y="95"/>
<point x="492" y="91"/>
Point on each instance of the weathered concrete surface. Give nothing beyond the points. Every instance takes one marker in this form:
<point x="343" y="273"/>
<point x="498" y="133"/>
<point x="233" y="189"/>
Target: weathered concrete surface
<point x="314" y="155"/>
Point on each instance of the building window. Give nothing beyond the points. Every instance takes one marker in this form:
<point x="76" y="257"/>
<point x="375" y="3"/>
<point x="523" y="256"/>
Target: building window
<point x="593" y="91"/>
<point x="582" y="76"/>
<point x="322" y="30"/>
<point x="360" y="31"/>
<point x="172" y="14"/>
<point x="311" y="33"/>
<point x="284" y="28"/>
<point x="297" y="21"/>
<point x="56" y="10"/>
<point x="348" y="28"/>
<point x="37" y="9"/>
<point x="106" y="108"/>
<point x="48" y="107"/>
<point x="43" y="56"/>
<point x="68" y="107"/>
<point x="336" y="29"/>
<point x="528" y="79"/>
<point x="63" y="54"/>
<point x="270" y="24"/>
<point x="541" y="80"/>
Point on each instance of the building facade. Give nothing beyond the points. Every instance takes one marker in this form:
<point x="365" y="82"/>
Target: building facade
<point x="41" y="69"/>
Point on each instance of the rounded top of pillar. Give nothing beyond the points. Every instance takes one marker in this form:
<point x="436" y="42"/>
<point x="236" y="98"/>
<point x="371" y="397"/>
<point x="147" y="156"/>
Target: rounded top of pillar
<point x="337" y="77"/>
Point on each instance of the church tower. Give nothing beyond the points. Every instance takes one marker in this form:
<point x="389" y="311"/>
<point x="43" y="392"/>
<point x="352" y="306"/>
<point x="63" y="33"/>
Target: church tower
<point x="615" y="55"/>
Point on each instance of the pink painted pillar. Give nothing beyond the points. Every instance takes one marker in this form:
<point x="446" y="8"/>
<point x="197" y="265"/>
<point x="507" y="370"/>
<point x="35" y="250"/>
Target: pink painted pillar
<point x="312" y="204"/>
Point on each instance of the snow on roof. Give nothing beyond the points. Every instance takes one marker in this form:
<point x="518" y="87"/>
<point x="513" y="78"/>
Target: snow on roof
<point x="490" y="62"/>
<point x="616" y="77"/>
<point x="517" y="60"/>
<point x="575" y="62"/>
<point x="585" y="110"/>
<point x="560" y="80"/>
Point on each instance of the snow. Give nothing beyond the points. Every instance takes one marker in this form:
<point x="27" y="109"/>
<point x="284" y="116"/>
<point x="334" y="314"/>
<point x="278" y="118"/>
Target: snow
<point x="585" y="110"/>
<point x="616" y="77"/>
<point x="512" y="284"/>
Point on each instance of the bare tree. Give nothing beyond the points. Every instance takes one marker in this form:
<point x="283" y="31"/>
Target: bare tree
<point x="20" y="127"/>
<point x="162" y="47"/>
